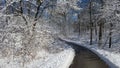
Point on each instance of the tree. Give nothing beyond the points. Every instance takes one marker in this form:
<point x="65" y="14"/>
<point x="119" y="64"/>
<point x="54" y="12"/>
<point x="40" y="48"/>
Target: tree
<point x="101" y="25"/>
<point x="29" y="31"/>
<point x="110" y="35"/>
<point x="110" y="10"/>
<point x="91" y="23"/>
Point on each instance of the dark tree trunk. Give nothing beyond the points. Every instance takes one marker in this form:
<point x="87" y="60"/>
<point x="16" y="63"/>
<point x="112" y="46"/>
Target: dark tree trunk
<point x="91" y="23"/>
<point x="38" y="8"/>
<point x="96" y="31"/>
<point x="79" y="28"/>
<point x="39" y="2"/>
<point x="110" y="40"/>
<point x="100" y="34"/>
<point x="21" y="9"/>
<point x="79" y="25"/>
<point x="110" y="35"/>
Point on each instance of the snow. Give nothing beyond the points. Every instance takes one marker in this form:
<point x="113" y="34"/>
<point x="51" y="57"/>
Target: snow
<point x="45" y="51"/>
<point x="58" y="60"/>
<point x="111" y="58"/>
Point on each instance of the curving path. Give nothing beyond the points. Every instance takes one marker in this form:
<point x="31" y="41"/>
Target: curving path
<point x="85" y="58"/>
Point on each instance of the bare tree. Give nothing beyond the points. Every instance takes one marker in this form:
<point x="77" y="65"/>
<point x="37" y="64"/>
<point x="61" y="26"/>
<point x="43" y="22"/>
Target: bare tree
<point x="110" y="35"/>
<point x="91" y="23"/>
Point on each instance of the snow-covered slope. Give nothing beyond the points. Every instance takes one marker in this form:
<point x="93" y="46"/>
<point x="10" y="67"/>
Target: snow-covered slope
<point x="20" y="47"/>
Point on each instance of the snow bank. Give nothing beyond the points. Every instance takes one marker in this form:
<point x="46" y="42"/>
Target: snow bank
<point x="112" y="59"/>
<point x="69" y="60"/>
<point x="61" y="60"/>
<point x="58" y="60"/>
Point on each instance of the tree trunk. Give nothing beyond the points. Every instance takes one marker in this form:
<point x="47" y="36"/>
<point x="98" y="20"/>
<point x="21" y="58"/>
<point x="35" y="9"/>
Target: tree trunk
<point x="100" y="35"/>
<point x="110" y="35"/>
<point x="91" y="23"/>
<point x="79" y="29"/>
<point x="96" y="31"/>
<point x="21" y="9"/>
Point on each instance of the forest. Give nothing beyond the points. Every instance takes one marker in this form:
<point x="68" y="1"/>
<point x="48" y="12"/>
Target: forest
<point x="31" y="31"/>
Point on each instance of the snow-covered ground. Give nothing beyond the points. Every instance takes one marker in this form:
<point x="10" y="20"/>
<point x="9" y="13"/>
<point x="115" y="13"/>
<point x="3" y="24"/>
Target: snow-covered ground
<point x="43" y="59"/>
<point x="111" y="57"/>
<point x="22" y="48"/>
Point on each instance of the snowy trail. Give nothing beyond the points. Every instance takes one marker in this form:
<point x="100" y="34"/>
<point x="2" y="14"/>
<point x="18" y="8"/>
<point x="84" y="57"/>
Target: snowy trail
<point x="104" y="55"/>
<point x="87" y="59"/>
